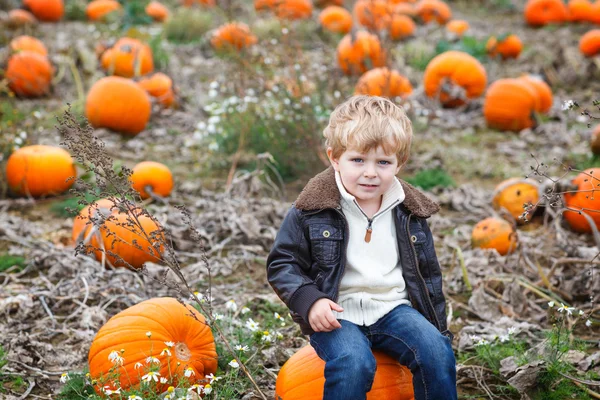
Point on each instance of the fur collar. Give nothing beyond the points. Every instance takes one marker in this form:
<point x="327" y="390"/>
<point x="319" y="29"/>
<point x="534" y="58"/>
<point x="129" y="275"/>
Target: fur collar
<point x="322" y="192"/>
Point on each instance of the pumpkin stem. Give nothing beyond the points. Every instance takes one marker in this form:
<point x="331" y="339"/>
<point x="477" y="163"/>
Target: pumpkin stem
<point x="182" y="352"/>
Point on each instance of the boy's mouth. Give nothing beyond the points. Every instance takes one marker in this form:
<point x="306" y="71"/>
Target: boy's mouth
<point x="361" y="184"/>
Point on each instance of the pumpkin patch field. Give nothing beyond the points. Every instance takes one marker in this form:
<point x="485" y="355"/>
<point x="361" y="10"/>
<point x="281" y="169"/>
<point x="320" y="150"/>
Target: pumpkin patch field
<point x="150" y="150"/>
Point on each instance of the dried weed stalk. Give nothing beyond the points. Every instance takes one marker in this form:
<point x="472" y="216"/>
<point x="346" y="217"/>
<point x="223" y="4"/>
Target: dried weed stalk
<point x="115" y="185"/>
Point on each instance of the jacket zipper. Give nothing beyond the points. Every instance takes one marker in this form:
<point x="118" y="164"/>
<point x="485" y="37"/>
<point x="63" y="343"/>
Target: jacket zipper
<point x="424" y="285"/>
<point x="346" y="229"/>
<point x="370" y="220"/>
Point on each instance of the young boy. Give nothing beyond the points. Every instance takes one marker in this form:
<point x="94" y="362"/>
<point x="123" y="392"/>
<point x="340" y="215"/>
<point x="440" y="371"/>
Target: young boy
<point x="354" y="259"/>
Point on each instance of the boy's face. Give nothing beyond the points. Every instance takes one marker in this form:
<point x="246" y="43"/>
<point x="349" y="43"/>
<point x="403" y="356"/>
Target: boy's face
<point x="366" y="176"/>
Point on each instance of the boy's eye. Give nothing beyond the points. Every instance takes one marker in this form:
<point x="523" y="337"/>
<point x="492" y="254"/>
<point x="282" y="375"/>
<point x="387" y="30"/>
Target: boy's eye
<point x="357" y="160"/>
<point x="385" y="162"/>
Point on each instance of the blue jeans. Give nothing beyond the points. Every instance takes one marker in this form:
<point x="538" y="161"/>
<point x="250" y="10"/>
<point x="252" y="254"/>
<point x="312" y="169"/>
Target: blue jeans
<point x="404" y="334"/>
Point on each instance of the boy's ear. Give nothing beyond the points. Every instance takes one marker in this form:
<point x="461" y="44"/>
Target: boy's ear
<point x="335" y="162"/>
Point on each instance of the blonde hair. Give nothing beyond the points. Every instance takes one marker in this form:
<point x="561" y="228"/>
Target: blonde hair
<point x="367" y="122"/>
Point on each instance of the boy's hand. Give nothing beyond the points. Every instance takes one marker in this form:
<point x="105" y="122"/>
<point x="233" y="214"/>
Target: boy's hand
<point x="321" y="318"/>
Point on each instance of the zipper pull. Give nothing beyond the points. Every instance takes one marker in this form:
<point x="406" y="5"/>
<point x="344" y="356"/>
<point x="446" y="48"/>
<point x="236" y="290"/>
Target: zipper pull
<point x="369" y="230"/>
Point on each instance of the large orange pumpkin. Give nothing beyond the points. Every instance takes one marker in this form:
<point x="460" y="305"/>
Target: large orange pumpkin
<point x="360" y="52"/>
<point x="29" y="74"/>
<point x="116" y="236"/>
<point x="589" y="44"/>
<point x="383" y="82"/>
<point x="28" y="43"/>
<point x="157" y="11"/>
<point x="233" y="35"/>
<point x="584" y="199"/>
<point x="167" y="320"/>
<point x="159" y="86"/>
<point x="40" y="170"/>
<point x="80" y="223"/>
<point x="302" y="377"/>
<point x="494" y="233"/>
<point x="430" y="10"/>
<point x="99" y="9"/>
<point x="401" y="26"/>
<point x="510" y="104"/>
<point x="18" y="18"/>
<point x="46" y="10"/>
<point x="294" y="9"/>
<point x="373" y="14"/>
<point x="579" y="10"/>
<point x="156" y="175"/>
<point x="119" y="104"/>
<point x="512" y="194"/>
<point x="454" y="77"/>
<point x="543" y="12"/>
<point x="128" y="57"/>
<point x="336" y="19"/>
<point x="543" y="91"/>
<point x="509" y="46"/>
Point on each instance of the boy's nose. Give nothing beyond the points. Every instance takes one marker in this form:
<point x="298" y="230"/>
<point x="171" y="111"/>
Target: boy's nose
<point x="370" y="172"/>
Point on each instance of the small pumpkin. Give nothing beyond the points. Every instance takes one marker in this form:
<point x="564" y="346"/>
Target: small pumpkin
<point x="327" y="3"/>
<point x="167" y="320"/>
<point x="119" y="104"/>
<point x="303" y="377"/>
<point x="156" y="175"/>
<point x="157" y="11"/>
<point x="507" y="46"/>
<point x="28" y="43"/>
<point x="18" y="18"/>
<point x="543" y="91"/>
<point x="336" y="19"/>
<point x="383" y="82"/>
<point x="543" y="12"/>
<point x="159" y="86"/>
<point x="128" y="57"/>
<point x="430" y="10"/>
<point x="579" y="10"/>
<point x="29" y="74"/>
<point x="589" y="43"/>
<point x="40" y="170"/>
<point x="356" y="53"/>
<point x="585" y="199"/>
<point x="82" y="221"/>
<point x="509" y="105"/>
<point x="401" y="27"/>
<point x="234" y="35"/>
<point x="457" y="27"/>
<point x="512" y="194"/>
<point x="98" y="10"/>
<point x="294" y="9"/>
<point x="454" y="77"/>
<point x="595" y="141"/>
<point x="494" y="233"/>
<point x="46" y="10"/>
<point x="373" y="14"/>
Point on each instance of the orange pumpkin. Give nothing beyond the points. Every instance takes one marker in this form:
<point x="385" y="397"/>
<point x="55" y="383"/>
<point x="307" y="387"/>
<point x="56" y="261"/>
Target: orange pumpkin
<point x="508" y="46"/>
<point x="430" y="10"/>
<point x="80" y="223"/>
<point x="46" y="10"/>
<point x="595" y="140"/>
<point x="99" y="9"/>
<point x="128" y="57"/>
<point x="594" y="17"/>
<point x="512" y="194"/>
<point x="157" y="11"/>
<point x="401" y="26"/>
<point x="585" y="199"/>
<point x="383" y="82"/>
<point x="327" y="3"/>
<point x="494" y="233"/>
<point x="234" y="35"/>
<point x="589" y="44"/>
<point x="40" y="170"/>
<point x="543" y="91"/>
<point x="579" y="10"/>
<point x="294" y="9"/>
<point x="18" y="18"/>
<point x="119" y="104"/>
<point x="159" y="86"/>
<point x="509" y="105"/>
<point x="454" y="77"/>
<point x="303" y="377"/>
<point x="543" y="12"/>
<point x="336" y="19"/>
<point x="167" y="320"/>
<point x="28" y="43"/>
<point x="29" y="74"/>
<point x="359" y="52"/>
<point x="373" y="14"/>
<point x="457" y="26"/>
<point x="156" y="175"/>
